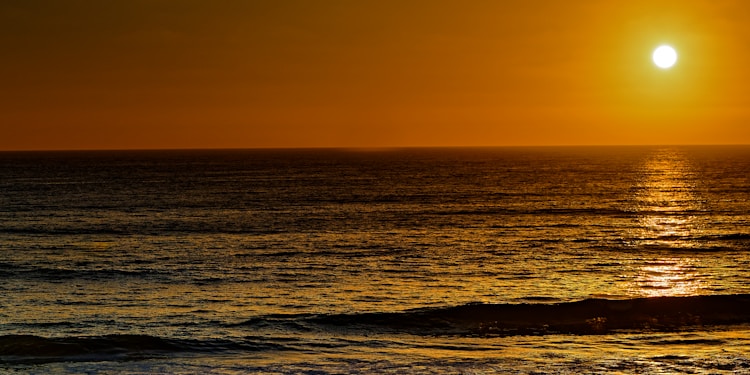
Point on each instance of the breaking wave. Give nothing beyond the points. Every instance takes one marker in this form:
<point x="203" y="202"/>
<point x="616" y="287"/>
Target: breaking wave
<point x="590" y="316"/>
<point x="29" y="348"/>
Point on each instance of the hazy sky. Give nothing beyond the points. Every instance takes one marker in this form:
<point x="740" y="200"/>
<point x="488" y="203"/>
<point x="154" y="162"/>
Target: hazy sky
<point x="372" y="73"/>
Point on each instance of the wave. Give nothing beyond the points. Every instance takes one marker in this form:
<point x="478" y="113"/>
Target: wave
<point x="62" y="274"/>
<point x="590" y="316"/>
<point x="29" y="348"/>
<point x="726" y="237"/>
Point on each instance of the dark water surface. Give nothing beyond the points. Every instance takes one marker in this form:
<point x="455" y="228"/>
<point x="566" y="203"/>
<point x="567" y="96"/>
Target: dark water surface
<point x="520" y="260"/>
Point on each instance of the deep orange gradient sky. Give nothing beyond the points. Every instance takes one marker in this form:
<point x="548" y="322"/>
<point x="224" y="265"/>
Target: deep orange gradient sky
<point x="125" y="74"/>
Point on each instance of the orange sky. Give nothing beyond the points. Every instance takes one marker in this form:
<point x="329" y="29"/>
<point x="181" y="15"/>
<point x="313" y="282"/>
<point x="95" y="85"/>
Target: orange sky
<point x="370" y="73"/>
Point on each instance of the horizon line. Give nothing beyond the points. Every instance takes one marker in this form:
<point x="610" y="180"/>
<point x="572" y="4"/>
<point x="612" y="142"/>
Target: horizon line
<point x="370" y="148"/>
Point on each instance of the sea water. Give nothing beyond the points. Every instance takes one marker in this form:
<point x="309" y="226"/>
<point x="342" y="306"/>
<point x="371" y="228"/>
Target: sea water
<point x="483" y="260"/>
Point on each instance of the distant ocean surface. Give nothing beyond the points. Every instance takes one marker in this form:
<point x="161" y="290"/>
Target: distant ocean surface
<point x="497" y="260"/>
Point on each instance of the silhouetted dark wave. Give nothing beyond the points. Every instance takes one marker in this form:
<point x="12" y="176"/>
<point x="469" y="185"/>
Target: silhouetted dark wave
<point x="590" y="316"/>
<point x="28" y="348"/>
<point x="58" y="274"/>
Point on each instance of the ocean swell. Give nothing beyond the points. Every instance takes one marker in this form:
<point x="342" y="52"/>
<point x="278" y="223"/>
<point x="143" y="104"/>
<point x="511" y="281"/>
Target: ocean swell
<point x="590" y="316"/>
<point x="35" y="349"/>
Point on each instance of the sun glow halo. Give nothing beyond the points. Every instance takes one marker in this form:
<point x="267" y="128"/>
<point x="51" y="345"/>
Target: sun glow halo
<point x="664" y="57"/>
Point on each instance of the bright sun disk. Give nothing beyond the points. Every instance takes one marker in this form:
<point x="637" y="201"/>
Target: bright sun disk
<point x="664" y="56"/>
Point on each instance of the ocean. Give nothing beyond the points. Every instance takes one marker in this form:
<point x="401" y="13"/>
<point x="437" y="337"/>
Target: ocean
<point x="316" y="261"/>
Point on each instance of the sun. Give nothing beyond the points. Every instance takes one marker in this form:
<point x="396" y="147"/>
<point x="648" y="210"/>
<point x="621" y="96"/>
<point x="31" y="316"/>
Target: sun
<point x="664" y="56"/>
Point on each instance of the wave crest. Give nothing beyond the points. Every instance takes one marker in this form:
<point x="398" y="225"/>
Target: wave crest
<point x="590" y="316"/>
<point x="29" y="348"/>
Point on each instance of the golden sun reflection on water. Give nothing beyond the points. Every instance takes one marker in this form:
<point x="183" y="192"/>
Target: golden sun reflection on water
<point x="666" y="203"/>
<point x="668" y="277"/>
